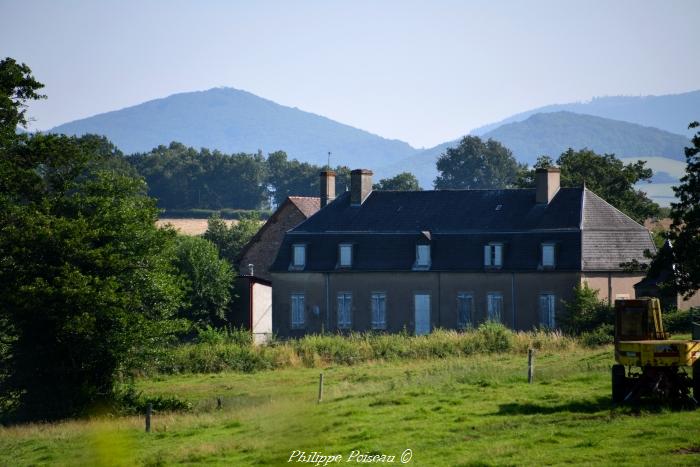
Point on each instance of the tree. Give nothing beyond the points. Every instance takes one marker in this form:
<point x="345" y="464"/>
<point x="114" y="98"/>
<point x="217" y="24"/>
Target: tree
<point x="230" y="240"/>
<point x="181" y="177"/>
<point x="685" y="229"/>
<point x="294" y="178"/>
<point x="605" y="175"/>
<point x="477" y="164"/>
<point x="404" y="181"/>
<point x="84" y="280"/>
<point x="17" y="86"/>
<point x="585" y="311"/>
<point x="209" y="280"/>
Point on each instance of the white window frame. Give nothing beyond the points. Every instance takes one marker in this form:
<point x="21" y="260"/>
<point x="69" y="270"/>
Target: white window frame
<point x="344" y="310"/>
<point x="548" y="309"/>
<point x="299" y="247"/>
<point x="553" y="247"/>
<point x="378" y="310"/>
<point x="465" y="297"/>
<point x="493" y="299"/>
<point x="426" y="263"/>
<point x="493" y="255"/>
<point x="298" y="316"/>
<point x="346" y="247"/>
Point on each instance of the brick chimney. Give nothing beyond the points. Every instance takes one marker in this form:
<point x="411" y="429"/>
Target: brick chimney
<point x="360" y="186"/>
<point x="546" y="184"/>
<point x="327" y="187"/>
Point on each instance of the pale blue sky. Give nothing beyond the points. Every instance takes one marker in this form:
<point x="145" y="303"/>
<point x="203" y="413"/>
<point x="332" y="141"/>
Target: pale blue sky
<point x="421" y="71"/>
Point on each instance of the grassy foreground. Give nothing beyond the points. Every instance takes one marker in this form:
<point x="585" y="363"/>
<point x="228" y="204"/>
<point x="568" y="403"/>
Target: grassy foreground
<point x="471" y="410"/>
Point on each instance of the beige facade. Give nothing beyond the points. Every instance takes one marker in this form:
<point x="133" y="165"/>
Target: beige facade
<point x="612" y="285"/>
<point x="520" y="294"/>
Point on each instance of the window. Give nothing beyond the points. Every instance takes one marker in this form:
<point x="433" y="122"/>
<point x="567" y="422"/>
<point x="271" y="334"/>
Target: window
<point x="422" y="256"/>
<point x="548" y="255"/>
<point x="344" y="310"/>
<point x="298" y="310"/>
<point x="494" y="302"/>
<point x="345" y="253"/>
<point x="465" y="310"/>
<point x="547" y="310"/>
<point x="299" y="259"/>
<point x="493" y="255"/>
<point x="378" y="310"/>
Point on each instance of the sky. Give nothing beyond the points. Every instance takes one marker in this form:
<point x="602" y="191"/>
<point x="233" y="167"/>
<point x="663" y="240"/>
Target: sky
<point x="421" y="71"/>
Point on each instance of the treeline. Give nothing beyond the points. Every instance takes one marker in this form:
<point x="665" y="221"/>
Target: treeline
<point x="181" y="177"/>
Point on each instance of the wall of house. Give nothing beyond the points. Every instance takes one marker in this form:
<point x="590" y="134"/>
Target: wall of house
<point x="612" y="285"/>
<point x="262" y="312"/>
<point x="520" y="292"/>
<point x="263" y="252"/>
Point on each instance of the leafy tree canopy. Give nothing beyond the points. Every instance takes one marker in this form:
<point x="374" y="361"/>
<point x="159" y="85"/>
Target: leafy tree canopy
<point x="606" y="175"/>
<point x="477" y="164"/>
<point x="685" y="230"/>
<point x="17" y="86"/>
<point x="209" y="280"/>
<point x="404" y="181"/>
<point x="230" y="240"/>
<point x="84" y="281"/>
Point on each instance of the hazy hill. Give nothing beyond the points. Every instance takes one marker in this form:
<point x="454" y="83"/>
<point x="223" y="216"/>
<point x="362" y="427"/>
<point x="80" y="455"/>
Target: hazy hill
<point x="552" y="133"/>
<point x="671" y="112"/>
<point x="231" y="120"/>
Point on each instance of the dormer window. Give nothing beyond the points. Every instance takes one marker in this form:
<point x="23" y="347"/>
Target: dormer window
<point x="493" y="255"/>
<point x="422" y="256"/>
<point x="345" y="255"/>
<point x="548" y="260"/>
<point x="299" y="256"/>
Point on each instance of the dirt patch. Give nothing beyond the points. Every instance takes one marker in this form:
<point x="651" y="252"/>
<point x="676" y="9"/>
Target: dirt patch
<point x="189" y="226"/>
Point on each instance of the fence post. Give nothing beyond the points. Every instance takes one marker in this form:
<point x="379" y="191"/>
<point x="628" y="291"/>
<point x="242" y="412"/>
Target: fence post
<point x="218" y="403"/>
<point x="320" y="387"/>
<point x="530" y="365"/>
<point x="149" y="409"/>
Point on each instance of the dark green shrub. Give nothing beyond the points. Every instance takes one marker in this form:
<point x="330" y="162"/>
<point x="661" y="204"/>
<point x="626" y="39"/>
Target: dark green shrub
<point x="602" y="335"/>
<point x="585" y="312"/>
<point x="680" y="321"/>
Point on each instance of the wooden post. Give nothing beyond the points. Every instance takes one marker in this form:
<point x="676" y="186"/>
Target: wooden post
<point x="149" y="409"/>
<point x="218" y="403"/>
<point x="530" y="365"/>
<point x="320" y="387"/>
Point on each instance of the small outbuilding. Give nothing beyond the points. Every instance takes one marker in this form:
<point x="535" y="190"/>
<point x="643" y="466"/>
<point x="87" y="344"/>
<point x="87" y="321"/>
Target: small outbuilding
<point x="255" y="310"/>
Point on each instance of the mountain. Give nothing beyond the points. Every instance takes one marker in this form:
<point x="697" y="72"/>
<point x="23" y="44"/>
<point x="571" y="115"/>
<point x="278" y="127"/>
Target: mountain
<point x="671" y="112"/>
<point x="553" y="133"/>
<point x="232" y="120"/>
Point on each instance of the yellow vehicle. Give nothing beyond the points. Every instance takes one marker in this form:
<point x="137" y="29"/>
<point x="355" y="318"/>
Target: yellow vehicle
<point x="648" y="362"/>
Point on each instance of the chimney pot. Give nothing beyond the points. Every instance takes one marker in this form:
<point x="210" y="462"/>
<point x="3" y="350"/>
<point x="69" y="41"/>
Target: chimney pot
<point x="360" y="186"/>
<point x="327" y="187"/>
<point x="546" y="184"/>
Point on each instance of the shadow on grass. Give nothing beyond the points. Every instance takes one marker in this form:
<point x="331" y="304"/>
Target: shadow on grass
<point x="591" y="406"/>
<point x="583" y="406"/>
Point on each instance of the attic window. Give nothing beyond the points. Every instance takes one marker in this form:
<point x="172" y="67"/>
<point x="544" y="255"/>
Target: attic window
<point x="498" y="207"/>
<point x="345" y="255"/>
<point x="422" y="256"/>
<point x="493" y="255"/>
<point x="299" y="256"/>
<point x="548" y="260"/>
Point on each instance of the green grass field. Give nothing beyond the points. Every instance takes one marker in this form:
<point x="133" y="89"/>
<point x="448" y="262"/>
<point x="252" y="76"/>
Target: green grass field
<point x="473" y="410"/>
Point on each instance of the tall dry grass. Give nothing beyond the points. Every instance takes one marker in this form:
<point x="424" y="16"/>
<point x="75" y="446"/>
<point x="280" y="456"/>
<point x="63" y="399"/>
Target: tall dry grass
<point x="320" y="350"/>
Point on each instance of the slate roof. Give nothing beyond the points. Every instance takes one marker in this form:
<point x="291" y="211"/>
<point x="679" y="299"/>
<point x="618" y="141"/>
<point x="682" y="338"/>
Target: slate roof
<point x="589" y="234"/>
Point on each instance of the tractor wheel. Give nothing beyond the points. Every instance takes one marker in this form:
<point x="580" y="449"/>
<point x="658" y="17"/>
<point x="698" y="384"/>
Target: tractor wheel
<point x="619" y="384"/>
<point x="696" y="381"/>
